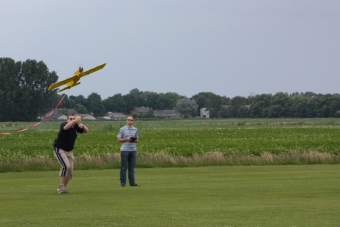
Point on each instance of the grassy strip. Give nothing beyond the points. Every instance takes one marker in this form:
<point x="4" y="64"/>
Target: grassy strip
<point x="300" y="195"/>
<point x="112" y="161"/>
<point x="53" y="125"/>
<point x="182" y="143"/>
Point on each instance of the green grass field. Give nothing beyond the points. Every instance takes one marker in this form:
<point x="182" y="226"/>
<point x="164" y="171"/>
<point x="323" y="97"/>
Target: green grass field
<point x="285" y="195"/>
<point x="246" y="181"/>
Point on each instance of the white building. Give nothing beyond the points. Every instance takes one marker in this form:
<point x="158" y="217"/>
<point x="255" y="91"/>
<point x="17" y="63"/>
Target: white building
<point x="204" y="113"/>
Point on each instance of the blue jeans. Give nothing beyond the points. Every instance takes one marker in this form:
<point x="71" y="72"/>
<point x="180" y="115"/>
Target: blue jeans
<point x="128" y="161"/>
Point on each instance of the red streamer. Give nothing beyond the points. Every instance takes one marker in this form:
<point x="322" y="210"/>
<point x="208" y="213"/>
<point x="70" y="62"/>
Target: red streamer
<point x="35" y="124"/>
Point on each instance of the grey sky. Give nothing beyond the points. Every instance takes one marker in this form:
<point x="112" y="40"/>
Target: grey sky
<point x="230" y="47"/>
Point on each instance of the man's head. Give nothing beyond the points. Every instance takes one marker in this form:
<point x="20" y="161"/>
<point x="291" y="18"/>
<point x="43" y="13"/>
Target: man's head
<point x="129" y="120"/>
<point x="71" y="117"/>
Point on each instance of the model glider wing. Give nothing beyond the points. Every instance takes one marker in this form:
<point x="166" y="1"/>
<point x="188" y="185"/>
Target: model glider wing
<point x="62" y="82"/>
<point x="87" y="72"/>
<point x="72" y="81"/>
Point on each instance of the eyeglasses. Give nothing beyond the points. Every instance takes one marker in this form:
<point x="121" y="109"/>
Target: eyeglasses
<point x="129" y="119"/>
<point x="72" y="118"/>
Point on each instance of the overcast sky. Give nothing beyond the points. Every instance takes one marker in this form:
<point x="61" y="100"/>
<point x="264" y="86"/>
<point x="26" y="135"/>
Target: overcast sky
<point x="228" y="47"/>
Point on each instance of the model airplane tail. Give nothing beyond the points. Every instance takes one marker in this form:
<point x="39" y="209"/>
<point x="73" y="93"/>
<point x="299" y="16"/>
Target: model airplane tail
<point x="73" y="81"/>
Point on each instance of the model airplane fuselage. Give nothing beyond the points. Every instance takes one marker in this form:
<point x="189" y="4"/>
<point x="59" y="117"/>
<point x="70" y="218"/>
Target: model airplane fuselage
<point x="74" y="80"/>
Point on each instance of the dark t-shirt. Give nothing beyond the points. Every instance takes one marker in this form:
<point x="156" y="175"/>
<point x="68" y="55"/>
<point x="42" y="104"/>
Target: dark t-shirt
<point x="67" y="138"/>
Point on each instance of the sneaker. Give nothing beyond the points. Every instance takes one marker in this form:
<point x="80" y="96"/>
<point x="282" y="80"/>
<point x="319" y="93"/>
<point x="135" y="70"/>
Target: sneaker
<point x="134" y="184"/>
<point x="62" y="190"/>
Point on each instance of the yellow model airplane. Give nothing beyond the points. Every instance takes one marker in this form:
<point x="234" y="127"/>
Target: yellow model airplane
<point x="73" y="81"/>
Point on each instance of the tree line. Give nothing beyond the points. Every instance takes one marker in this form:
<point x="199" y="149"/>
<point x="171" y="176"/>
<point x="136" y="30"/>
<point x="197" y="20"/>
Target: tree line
<point x="24" y="97"/>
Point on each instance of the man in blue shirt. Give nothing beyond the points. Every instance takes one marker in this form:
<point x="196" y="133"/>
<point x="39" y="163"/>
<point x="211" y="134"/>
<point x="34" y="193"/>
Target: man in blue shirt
<point x="128" y="136"/>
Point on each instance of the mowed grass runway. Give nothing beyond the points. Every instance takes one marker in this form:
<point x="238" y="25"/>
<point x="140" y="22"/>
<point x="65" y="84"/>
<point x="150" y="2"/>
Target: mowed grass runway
<point x="291" y="195"/>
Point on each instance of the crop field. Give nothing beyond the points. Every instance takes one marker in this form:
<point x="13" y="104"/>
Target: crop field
<point x="180" y="143"/>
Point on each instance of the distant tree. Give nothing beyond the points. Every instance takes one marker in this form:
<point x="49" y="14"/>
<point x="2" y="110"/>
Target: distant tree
<point x="80" y="99"/>
<point x="95" y="105"/>
<point x="135" y="92"/>
<point x="187" y="107"/>
<point x="64" y="111"/>
<point x="131" y="101"/>
<point x="256" y="109"/>
<point x="150" y="99"/>
<point x="24" y="97"/>
<point x="227" y="101"/>
<point x="243" y="112"/>
<point x="224" y="113"/>
<point x="9" y="89"/>
<point x="274" y="111"/>
<point x="54" y="101"/>
<point x="115" y="103"/>
<point x="34" y="80"/>
<point x="259" y="105"/>
<point x="312" y="107"/>
<point x="238" y="101"/>
<point x="292" y="104"/>
<point x="265" y="98"/>
<point x="301" y="110"/>
<point x="210" y="101"/>
<point x="278" y="105"/>
<point x="81" y="109"/>
<point x="23" y="89"/>
<point x="238" y="107"/>
<point x="335" y="105"/>
<point x="167" y="101"/>
<point x="68" y="103"/>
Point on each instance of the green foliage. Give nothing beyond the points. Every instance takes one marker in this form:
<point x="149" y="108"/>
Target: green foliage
<point x="81" y="109"/>
<point x="23" y="89"/>
<point x="115" y="103"/>
<point x="95" y="105"/>
<point x="167" y="101"/>
<point x="210" y="101"/>
<point x="24" y="97"/>
<point x="187" y="107"/>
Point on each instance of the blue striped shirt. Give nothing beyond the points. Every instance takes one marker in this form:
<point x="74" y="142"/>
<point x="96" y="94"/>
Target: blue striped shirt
<point x="125" y="132"/>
